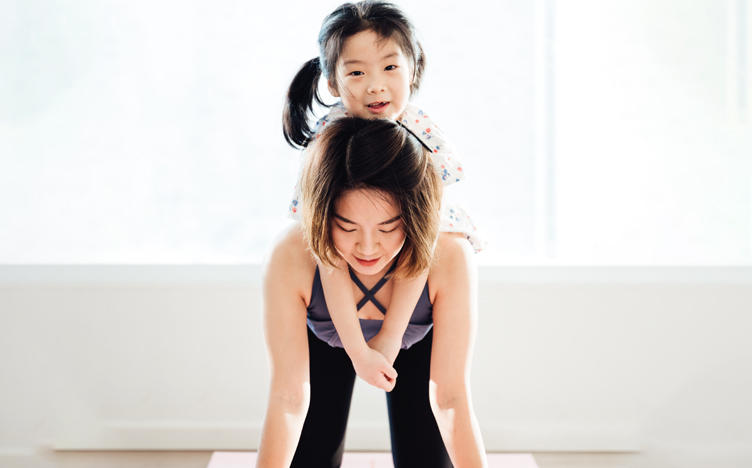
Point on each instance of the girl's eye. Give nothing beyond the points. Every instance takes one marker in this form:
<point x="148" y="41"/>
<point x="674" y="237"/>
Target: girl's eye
<point x="391" y="67"/>
<point x="356" y="73"/>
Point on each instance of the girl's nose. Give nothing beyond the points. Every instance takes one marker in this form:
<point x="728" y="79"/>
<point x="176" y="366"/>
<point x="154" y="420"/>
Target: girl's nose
<point x="376" y="86"/>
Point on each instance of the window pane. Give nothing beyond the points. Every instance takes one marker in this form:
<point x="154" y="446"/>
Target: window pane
<point x="143" y="132"/>
<point x="603" y="132"/>
<point x="652" y="159"/>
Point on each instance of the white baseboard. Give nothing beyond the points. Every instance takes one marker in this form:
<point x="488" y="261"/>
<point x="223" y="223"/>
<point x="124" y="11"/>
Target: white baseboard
<point x="116" y="435"/>
<point x="10" y="452"/>
<point x="561" y="438"/>
<point x="159" y="435"/>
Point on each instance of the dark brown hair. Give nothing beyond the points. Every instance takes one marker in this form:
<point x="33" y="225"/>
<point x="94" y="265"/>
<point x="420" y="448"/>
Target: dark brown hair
<point x="383" y="18"/>
<point x="380" y="155"/>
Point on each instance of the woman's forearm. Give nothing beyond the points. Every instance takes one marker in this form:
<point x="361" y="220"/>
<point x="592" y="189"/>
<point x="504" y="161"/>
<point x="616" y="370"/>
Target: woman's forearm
<point x="460" y="432"/>
<point x="281" y="430"/>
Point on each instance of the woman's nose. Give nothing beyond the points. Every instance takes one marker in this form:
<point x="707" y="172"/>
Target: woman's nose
<point x="367" y="246"/>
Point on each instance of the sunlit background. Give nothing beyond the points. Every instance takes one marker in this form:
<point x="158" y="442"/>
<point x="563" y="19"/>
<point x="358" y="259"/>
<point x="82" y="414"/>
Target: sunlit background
<point x="608" y="149"/>
<point x="596" y="132"/>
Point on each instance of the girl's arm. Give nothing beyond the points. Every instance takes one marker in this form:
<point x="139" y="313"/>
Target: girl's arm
<point x="455" y="313"/>
<point x="369" y="364"/>
<point x="288" y="272"/>
<point x="405" y="296"/>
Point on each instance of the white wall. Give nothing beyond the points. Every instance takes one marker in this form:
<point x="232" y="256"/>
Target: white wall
<point x="567" y="358"/>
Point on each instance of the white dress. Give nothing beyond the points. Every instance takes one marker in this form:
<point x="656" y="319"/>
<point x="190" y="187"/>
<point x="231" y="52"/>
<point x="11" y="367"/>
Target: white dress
<point x="454" y="218"/>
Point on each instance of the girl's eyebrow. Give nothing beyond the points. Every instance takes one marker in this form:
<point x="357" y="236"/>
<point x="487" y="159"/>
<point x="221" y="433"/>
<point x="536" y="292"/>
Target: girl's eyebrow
<point x="356" y="61"/>
<point x="389" y="221"/>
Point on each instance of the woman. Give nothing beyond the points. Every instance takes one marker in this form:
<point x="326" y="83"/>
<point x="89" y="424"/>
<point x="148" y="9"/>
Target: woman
<point x="371" y="198"/>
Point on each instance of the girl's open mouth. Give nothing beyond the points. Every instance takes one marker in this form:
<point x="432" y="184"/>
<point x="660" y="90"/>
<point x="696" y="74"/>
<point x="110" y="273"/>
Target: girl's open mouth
<point x="378" y="107"/>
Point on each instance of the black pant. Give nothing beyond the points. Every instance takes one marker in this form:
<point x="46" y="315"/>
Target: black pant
<point x="416" y="441"/>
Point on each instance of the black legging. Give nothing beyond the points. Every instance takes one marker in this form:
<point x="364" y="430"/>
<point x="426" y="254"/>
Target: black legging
<point x="416" y="440"/>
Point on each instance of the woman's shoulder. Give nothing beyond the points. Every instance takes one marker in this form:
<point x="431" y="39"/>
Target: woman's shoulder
<point x="454" y="262"/>
<point x="289" y="261"/>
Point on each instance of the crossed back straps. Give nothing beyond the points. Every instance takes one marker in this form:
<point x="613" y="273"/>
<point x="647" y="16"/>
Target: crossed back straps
<point x="370" y="294"/>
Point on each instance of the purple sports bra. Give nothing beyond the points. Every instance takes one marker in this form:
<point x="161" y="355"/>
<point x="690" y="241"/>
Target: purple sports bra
<point x="320" y="322"/>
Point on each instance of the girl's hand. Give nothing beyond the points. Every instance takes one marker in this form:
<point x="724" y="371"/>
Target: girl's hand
<point x="388" y="345"/>
<point x="373" y="367"/>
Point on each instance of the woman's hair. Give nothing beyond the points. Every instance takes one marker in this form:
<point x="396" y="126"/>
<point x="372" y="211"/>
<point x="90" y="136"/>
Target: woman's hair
<point x="380" y="155"/>
<point x="385" y="19"/>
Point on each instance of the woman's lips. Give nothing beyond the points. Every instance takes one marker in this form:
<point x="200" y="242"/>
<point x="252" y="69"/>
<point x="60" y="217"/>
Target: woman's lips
<point x="378" y="107"/>
<point x="368" y="263"/>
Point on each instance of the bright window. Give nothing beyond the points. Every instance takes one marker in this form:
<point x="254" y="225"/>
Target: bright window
<point x="593" y="132"/>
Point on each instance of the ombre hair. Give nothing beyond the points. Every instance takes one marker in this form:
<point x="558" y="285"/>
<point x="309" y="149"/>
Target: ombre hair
<point x="378" y="155"/>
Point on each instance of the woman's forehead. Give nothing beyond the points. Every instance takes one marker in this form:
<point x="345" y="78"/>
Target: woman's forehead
<point x="367" y="206"/>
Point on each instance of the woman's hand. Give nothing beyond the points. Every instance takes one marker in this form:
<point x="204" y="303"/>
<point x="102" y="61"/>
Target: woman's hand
<point x="373" y="367"/>
<point x="388" y="345"/>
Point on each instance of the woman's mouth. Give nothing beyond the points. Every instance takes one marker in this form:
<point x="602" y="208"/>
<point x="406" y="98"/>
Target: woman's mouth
<point x="378" y="107"/>
<point x="368" y="263"/>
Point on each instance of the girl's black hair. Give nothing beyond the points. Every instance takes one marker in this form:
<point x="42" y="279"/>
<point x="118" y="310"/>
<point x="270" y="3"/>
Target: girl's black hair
<point x="381" y="17"/>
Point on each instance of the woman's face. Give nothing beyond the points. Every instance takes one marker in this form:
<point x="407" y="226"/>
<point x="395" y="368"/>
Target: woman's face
<point x="367" y="230"/>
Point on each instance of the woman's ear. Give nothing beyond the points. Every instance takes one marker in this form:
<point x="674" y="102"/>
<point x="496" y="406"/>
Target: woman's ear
<point x="332" y="90"/>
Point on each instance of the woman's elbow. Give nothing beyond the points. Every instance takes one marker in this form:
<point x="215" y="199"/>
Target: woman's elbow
<point x="448" y="397"/>
<point x="292" y="401"/>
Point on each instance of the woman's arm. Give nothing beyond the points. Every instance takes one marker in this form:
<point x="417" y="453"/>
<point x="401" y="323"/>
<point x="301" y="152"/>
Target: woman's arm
<point x="455" y="312"/>
<point x="288" y="270"/>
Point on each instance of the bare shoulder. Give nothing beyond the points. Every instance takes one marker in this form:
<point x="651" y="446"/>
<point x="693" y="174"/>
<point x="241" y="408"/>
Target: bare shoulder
<point x="289" y="262"/>
<point x="455" y="263"/>
<point x="289" y="247"/>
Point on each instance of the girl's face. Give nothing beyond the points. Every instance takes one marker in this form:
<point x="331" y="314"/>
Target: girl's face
<point x="373" y="77"/>
<point x="367" y="230"/>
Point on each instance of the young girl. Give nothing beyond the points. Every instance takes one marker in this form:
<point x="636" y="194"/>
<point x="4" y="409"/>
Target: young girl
<point x="372" y="61"/>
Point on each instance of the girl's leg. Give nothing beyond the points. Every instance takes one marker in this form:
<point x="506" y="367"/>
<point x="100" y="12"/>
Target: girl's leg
<point x="416" y="440"/>
<point x="322" y="441"/>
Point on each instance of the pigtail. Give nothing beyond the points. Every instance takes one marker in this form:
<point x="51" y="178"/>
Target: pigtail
<point x="304" y="90"/>
<point x="420" y="66"/>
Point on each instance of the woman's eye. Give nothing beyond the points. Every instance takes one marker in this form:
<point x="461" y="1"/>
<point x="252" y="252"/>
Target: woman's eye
<point x="391" y="67"/>
<point x="346" y="230"/>
<point x="387" y="232"/>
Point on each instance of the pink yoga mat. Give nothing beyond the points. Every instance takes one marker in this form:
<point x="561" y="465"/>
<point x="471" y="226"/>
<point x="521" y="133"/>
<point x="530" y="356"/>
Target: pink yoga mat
<point x="368" y="460"/>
